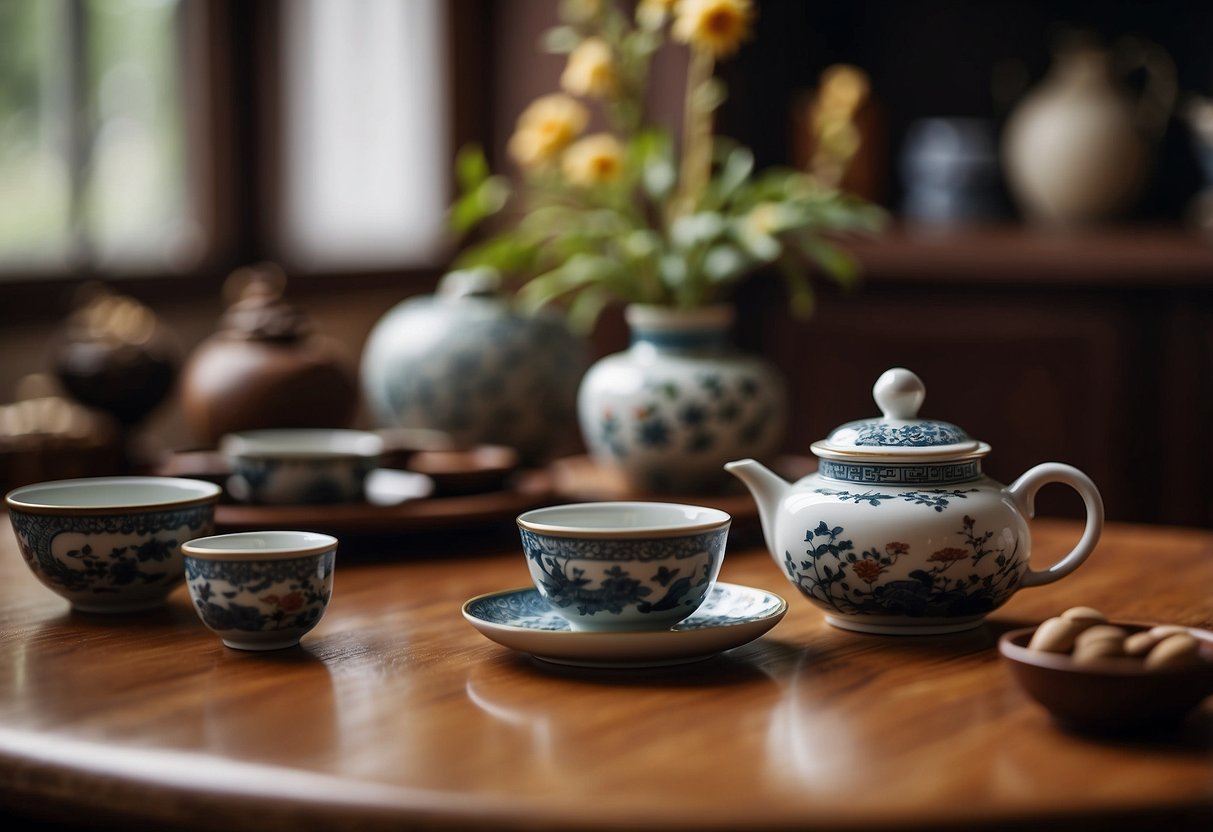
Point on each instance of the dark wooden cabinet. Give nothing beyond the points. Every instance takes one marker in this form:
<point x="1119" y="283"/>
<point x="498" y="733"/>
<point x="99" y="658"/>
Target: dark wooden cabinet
<point x="1101" y="361"/>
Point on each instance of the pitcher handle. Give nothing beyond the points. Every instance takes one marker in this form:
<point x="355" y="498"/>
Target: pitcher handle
<point x="1157" y="99"/>
<point x="1023" y="493"/>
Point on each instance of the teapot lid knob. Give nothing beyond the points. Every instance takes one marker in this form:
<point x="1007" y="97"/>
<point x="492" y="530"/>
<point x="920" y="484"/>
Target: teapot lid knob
<point x="899" y="393"/>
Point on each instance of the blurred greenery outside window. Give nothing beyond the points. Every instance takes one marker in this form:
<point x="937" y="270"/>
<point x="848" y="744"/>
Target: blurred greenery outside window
<point x="92" y="144"/>
<point x="98" y="173"/>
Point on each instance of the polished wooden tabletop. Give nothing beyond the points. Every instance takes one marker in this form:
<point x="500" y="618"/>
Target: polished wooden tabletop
<point x="395" y="713"/>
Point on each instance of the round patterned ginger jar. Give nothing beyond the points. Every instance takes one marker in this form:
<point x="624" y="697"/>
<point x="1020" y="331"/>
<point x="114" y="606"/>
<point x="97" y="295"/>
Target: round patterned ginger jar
<point x="669" y="411"/>
<point x="899" y="532"/>
<point x="464" y="362"/>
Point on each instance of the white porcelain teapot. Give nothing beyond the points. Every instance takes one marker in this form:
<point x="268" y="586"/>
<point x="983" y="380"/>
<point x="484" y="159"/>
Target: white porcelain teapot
<point x="899" y="531"/>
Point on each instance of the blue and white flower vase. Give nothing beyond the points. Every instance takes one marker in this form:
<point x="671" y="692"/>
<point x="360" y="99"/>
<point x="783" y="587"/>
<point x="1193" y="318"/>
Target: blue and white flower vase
<point x="463" y="362"/>
<point x="669" y="411"/>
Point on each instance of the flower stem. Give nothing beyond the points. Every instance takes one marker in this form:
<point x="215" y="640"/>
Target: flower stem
<point x="696" y="163"/>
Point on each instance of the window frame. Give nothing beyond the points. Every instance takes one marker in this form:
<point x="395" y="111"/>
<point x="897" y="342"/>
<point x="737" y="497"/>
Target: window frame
<point x="231" y="61"/>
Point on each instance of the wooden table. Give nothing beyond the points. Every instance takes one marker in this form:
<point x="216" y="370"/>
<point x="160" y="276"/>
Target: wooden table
<point x="397" y="714"/>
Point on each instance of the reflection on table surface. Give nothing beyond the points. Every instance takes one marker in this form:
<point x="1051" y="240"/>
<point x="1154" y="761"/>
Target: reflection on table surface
<point x="395" y="709"/>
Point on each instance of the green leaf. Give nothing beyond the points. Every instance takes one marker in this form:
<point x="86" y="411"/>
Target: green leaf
<point x="659" y="176"/>
<point x="673" y="271"/>
<point x="697" y="229"/>
<point x="506" y="253"/>
<point x="801" y="298"/>
<point x="724" y="262"/>
<point x="471" y="167"/>
<point x="465" y="214"/>
<point x="559" y="40"/>
<point x="641" y="244"/>
<point x="762" y="247"/>
<point x="835" y="262"/>
<point x="586" y="307"/>
<point x="579" y="270"/>
<point x="489" y="197"/>
<point x="640" y="44"/>
<point x="734" y="172"/>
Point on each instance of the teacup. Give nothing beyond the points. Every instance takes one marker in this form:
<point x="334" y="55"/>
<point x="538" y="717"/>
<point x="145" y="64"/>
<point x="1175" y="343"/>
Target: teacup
<point x="260" y="590"/>
<point x="110" y="544"/>
<point x="300" y="466"/>
<point x="624" y="565"/>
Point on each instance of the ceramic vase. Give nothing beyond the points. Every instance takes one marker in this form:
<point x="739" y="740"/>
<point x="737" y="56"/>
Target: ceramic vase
<point x="1077" y="148"/>
<point x="669" y="411"/>
<point x="463" y="362"/>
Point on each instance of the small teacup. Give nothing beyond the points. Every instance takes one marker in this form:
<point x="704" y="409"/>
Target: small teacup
<point x="110" y="544"/>
<point x="300" y="466"/>
<point x="624" y="565"/>
<point x="260" y="590"/>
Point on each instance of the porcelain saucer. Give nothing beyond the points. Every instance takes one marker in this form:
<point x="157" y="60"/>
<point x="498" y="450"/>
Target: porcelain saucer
<point x="520" y="619"/>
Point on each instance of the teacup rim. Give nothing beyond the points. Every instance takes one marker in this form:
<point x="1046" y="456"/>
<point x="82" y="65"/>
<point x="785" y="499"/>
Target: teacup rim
<point x="531" y="521"/>
<point x="198" y="549"/>
<point x="18" y="498"/>
<point x="358" y="444"/>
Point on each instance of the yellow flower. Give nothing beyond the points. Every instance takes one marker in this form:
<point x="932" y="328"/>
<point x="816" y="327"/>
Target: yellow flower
<point x="545" y="128"/>
<point x="590" y="70"/>
<point x="594" y="160"/>
<point x="716" y="26"/>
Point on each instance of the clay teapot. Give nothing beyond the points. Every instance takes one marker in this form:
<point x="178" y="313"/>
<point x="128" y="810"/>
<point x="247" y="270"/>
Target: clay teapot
<point x="265" y="367"/>
<point x="1078" y="148"/>
<point x="899" y="531"/>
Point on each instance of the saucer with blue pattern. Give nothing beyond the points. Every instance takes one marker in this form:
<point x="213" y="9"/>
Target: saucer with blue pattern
<point x="731" y="616"/>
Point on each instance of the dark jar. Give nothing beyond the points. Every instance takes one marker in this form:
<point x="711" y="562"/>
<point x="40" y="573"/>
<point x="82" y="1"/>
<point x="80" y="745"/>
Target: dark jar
<point x="265" y="367"/>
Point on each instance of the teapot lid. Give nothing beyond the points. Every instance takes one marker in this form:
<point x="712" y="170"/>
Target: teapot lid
<point x="899" y="435"/>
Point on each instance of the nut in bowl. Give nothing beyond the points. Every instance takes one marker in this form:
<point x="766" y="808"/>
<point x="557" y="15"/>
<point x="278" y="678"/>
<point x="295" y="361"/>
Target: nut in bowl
<point x="616" y="566"/>
<point x="300" y="466"/>
<point x="110" y="544"/>
<point x="261" y="590"/>
<point x="1111" y="677"/>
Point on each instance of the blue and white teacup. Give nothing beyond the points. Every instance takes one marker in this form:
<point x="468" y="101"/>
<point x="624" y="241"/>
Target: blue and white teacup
<point x="110" y="544"/>
<point x="292" y="466"/>
<point x="624" y="565"/>
<point x="261" y="590"/>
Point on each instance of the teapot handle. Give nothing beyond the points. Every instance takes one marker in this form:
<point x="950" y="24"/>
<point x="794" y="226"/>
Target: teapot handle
<point x="1023" y="493"/>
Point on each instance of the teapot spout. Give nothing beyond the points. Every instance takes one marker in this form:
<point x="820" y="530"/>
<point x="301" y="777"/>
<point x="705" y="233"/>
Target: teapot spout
<point x="768" y="489"/>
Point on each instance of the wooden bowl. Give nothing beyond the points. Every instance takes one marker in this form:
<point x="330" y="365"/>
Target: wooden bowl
<point x="1110" y="695"/>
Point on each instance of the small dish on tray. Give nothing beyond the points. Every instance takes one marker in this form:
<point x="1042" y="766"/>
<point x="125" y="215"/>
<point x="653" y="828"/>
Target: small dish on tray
<point x="466" y="471"/>
<point x="732" y="615"/>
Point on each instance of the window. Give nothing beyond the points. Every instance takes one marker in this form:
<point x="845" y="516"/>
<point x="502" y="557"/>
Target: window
<point x="139" y="137"/>
<point x="365" y="136"/>
<point x="92" y="167"/>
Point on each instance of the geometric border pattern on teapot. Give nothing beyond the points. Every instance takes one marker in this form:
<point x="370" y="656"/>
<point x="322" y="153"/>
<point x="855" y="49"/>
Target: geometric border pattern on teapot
<point x="901" y="473"/>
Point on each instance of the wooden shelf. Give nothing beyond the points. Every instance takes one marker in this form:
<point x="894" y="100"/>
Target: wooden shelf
<point x="1113" y="257"/>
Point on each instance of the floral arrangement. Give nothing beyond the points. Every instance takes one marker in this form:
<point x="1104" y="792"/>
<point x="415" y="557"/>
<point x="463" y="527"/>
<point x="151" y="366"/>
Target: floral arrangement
<point x="625" y="215"/>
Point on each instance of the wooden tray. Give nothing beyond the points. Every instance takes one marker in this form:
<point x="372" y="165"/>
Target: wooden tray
<point x="413" y="512"/>
<point x="527" y="491"/>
